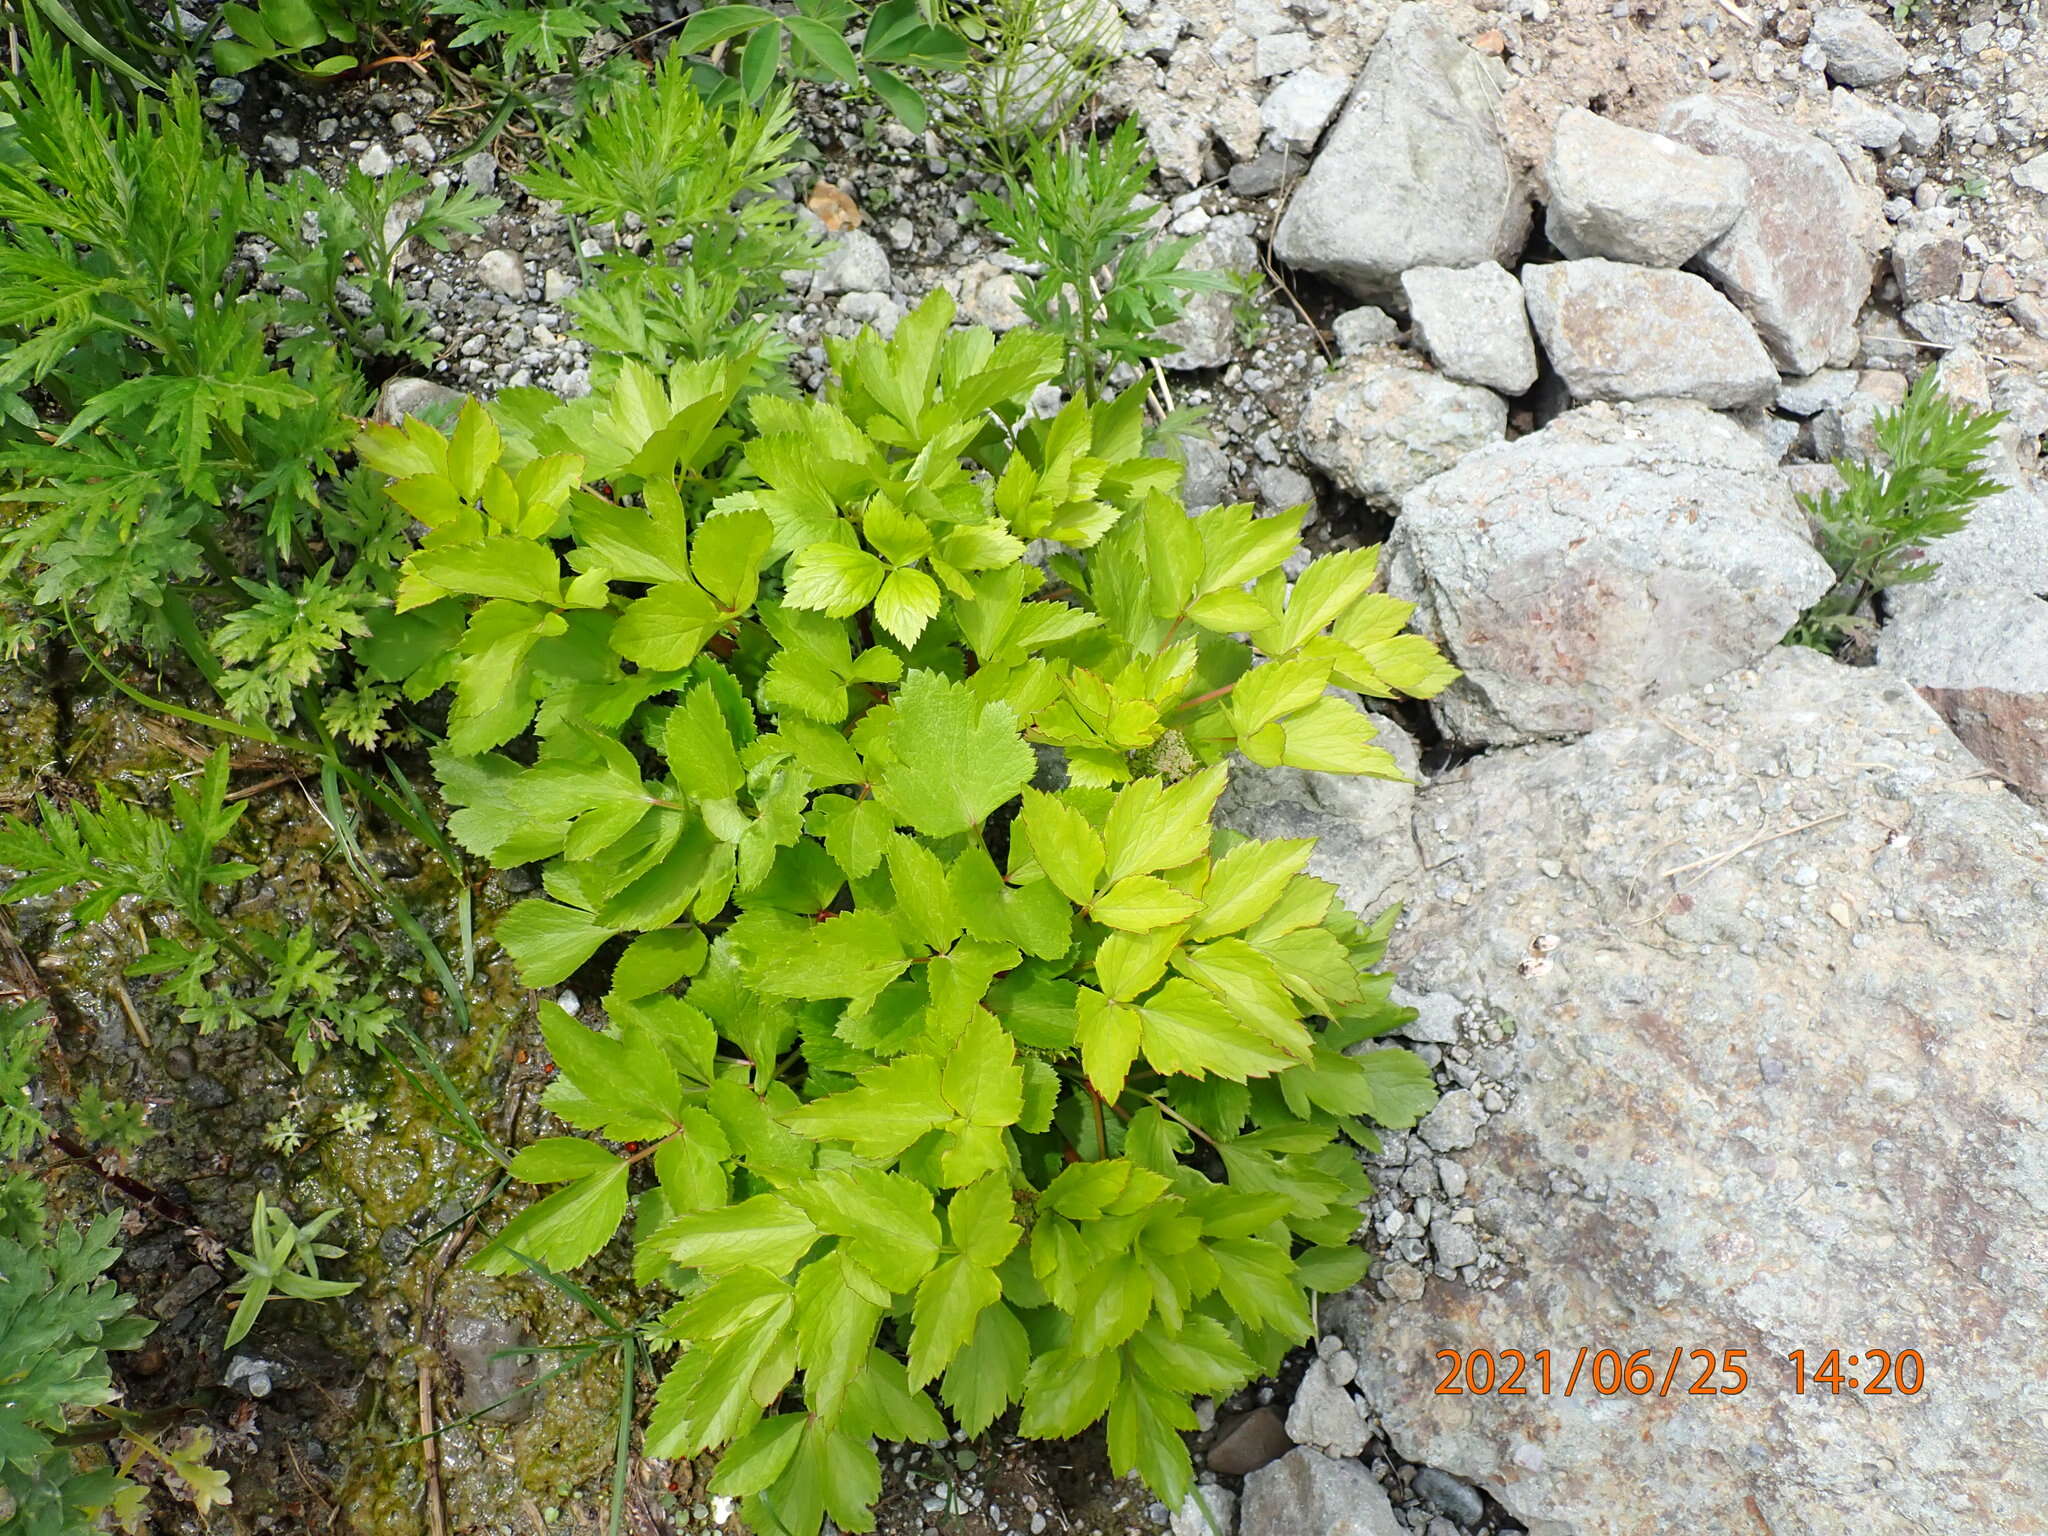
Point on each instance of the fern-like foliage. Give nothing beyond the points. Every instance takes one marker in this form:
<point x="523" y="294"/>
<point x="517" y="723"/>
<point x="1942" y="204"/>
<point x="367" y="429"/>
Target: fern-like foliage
<point x="698" y="182"/>
<point x="1876" y="529"/>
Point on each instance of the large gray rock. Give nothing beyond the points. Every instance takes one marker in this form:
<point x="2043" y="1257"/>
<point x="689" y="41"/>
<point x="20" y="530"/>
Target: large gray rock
<point x="1206" y="334"/>
<point x="1783" y="1087"/>
<point x="1379" y="424"/>
<point x="1360" y="824"/>
<point x="1619" y="554"/>
<point x="1859" y="50"/>
<point x="2005" y="543"/>
<point x="1472" y="322"/>
<point x="1636" y="196"/>
<point x="1616" y="331"/>
<point x="1415" y="173"/>
<point x="1306" y="1493"/>
<point x="1794" y="259"/>
<point x="1979" y="655"/>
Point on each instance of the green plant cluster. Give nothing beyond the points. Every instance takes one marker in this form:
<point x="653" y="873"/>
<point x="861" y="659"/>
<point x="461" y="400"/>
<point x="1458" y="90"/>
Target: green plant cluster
<point x="221" y="976"/>
<point x="286" y="1262"/>
<point x="1874" y="531"/>
<point x="172" y="433"/>
<point x="701" y="273"/>
<point x="1052" y="1087"/>
<point x="810" y="43"/>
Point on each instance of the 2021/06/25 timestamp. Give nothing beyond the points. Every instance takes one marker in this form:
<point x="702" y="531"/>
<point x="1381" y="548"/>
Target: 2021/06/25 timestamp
<point x="1693" y="1373"/>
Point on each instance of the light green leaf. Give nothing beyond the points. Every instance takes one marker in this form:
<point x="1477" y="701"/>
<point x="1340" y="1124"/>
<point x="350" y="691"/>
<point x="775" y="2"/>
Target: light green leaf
<point x="759" y="1456"/>
<point x="887" y="1220"/>
<point x="1065" y="1391"/>
<point x="766" y="1232"/>
<point x="949" y="1303"/>
<point x="1108" y="1035"/>
<point x="835" y="1325"/>
<point x="1246" y="882"/>
<point x="924" y="902"/>
<point x="547" y="941"/>
<point x="1154" y="826"/>
<point x="982" y="1080"/>
<point x="1141" y="903"/>
<point x="988" y="1375"/>
<point x="667" y="628"/>
<point x="564" y="1229"/>
<point x="908" y="600"/>
<point x="955" y="758"/>
<point x="838" y="579"/>
<point x="558" y="1159"/>
<point x="1186" y="1030"/>
<point x="1066" y="847"/>
<point x="893" y="1106"/>
<point x="700" y="747"/>
<point x="982" y="1219"/>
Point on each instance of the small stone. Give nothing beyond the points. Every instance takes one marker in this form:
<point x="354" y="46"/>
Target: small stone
<point x="502" y="272"/>
<point x="1473" y="323"/>
<point x="1449" y="1496"/>
<point x="225" y="90"/>
<point x="1208" y="1510"/>
<point x="1450" y="1173"/>
<point x="1298" y="109"/>
<point x="1859" y="51"/>
<point x="853" y="262"/>
<point x="1617" y="331"/>
<point x="1306" y="1493"/>
<point x="555" y="285"/>
<point x="282" y="148"/>
<point x="1870" y="127"/>
<point x="2032" y="174"/>
<point x="424" y="398"/>
<point x="375" y="161"/>
<point x="479" y="172"/>
<point x="1813" y="394"/>
<point x="1634" y="196"/>
<point x="1454" y="1245"/>
<point x="1366" y="326"/>
<point x="1921" y="130"/>
<point x="1261" y="174"/>
<point x="1927" y="264"/>
<point x="1249" y="1443"/>
<point x="1996" y="286"/>
<point x="1282" y="488"/>
<point x="1401" y="1281"/>
<point x="1454" y="1122"/>
<point x="1380" y="428"/>
<point x="1282" y="53"/>
<point x="1325" y="1415"/>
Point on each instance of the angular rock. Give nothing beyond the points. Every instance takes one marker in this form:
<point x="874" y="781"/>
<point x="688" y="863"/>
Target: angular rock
<point x="1208" y="1510"/>
<point x="853" y="262"/>
<point x="1299" y="108"/>
<point x="1206" y="334"/>
<point x="988" y="296"/>
<point x="1859" y="51"/>
<point x="1248" y="1444"/>
<point x="2005" y="543"/>
<point x="1306" y="1493"/>
<point x="1636" y="196"/>
<point x="1867" y="126"/>
<point x="1378" y="424"/>
<point x="404" y="397"/>
<point x="1783" y="1082"/>
<point x="1619" y="554"/>
<point x="1472" y="322"/>
<point x="1816" y="392"/>
<point x="1928" y="264"/>
<point x="1324" y="1415"/>
<point x="502" y="272"/>
<point x="1449" y="1496"/>
<point x="1361" y="824"/>
<point x="1979" y="655"/>
<point x="1358" y="329"/>
<point x="1793" y="260"/>
<point x="1414" y="174"/>
<point x="1615" y="331"/>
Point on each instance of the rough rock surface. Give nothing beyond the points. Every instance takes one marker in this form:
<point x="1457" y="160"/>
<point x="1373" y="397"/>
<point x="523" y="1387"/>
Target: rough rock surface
<point x="1979" y="655"/>
<point x="2005" y="543"/>
<point x="1621" y="553"/>
<point x="1324" y="1415"/>
<point x="1206" y="335"/>
<point x="1794" y="259"/>
<point x="1636" y="196"/>
<point x="1783" y="1089"/>
<point x="1414" y="174"/>
<point x="1472" y="322"/>
<point x="1616" y="331"/>
<point x="1307" y="1492"/>
<point x="1859" y="50"/>
<point x="1362" y="824"/>
<point x="1379" y="424"/>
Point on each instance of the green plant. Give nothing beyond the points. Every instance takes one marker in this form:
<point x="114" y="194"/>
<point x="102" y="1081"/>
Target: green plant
<point x="1032" y="66"/>
<point x="24" y="1032"/>
<point x="810" y="43"/>
<point x="286" y="1263"/>
<point x="168" y="865"/>
<point x="1052" y="1086"/>
<point x="127" y="40"/>
<point x="113" y="1122"/>
<point x="62" y="1317"/>
<point x="529" y="38"/>
<point x="160" y="467"/>
<point x="1108" y="288"/>
<point x="1874" y="530"/>
<point x="279" y="31"/>
<point x="692" y="176"/>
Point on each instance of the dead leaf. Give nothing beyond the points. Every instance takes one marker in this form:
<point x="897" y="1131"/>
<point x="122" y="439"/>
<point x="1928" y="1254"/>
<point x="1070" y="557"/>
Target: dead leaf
<point x="834" y="207"/>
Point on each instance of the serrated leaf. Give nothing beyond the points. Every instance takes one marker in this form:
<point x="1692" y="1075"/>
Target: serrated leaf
<point x="1246" y="883"/>
<point x="1066" y="847"/>
<point x="988" y="1375"/>
<point x="1065" y="1391"/>
<point x="887" y="1220"/>
<point x="949" y="1303"/>
<point x="767" y="1232"/>
<point x="564" y="1229"/>
<point x="893" y="1106"/>
<point x="908" y="600"/>
<point x="548" y="941"/>
<point x="1108" y="1035"/>
<point x="982" y="1081"/>
<point x="955" y="759"/>
<point x="982" y="1221"/>
<point x="833" y="578"/>
<point x="1141" y="903"/>
<point x="1187" y="1030"/>
<point x="835" y="1322"/>
<point x="1155" y="826"/>
<point x="558" y="1159"/>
